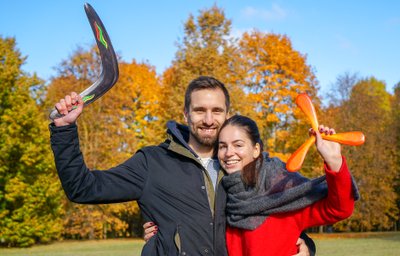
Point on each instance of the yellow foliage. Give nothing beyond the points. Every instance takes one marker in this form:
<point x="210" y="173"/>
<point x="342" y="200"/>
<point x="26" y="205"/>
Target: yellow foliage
<point x="15" y="189"/>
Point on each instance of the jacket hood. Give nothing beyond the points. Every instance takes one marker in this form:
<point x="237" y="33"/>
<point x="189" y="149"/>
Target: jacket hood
<point x="180" y="134"/>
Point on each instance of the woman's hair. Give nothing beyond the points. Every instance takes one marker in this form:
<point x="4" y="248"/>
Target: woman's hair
<point x="250" y="171"/>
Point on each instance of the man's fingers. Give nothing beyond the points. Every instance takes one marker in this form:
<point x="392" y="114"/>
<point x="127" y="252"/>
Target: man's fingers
<point x="62" y="107"/>
<point x="70" y="108"/>
<point x="74" y="98"/>
<point x="68" y="103"/>
<point x="79" y="103"/>
<point x="58" y="106"/>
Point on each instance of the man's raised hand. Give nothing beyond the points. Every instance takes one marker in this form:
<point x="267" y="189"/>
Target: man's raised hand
<point x="70" y="107"/>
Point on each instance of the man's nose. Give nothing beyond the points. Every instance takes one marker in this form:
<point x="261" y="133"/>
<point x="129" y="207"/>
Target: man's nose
<point x="208" y="118"/>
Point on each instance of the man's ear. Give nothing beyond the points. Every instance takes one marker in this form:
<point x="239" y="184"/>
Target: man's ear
<point x="185" y="116"/>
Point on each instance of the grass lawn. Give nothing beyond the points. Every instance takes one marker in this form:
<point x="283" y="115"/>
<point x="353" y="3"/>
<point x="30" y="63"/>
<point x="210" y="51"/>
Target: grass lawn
<point x="357" y="244"/>
<point x="111" y="247"/>
<point x="348" y="244"/>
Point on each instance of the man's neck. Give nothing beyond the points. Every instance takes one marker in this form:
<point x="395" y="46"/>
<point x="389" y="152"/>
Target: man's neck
<point x="201" y="150"/>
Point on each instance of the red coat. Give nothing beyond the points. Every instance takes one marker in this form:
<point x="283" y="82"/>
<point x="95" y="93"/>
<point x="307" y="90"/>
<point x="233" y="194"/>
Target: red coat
<point x="279" y="232"/>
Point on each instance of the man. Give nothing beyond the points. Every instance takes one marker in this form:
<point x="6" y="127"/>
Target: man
<point x="176" y="184"/>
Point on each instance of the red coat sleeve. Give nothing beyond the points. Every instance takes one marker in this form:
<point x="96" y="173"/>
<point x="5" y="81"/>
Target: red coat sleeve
<point x="337" y="206"/>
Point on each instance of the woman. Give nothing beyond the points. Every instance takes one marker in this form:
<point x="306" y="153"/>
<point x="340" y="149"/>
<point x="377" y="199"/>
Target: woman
<point x="267" y="206"/>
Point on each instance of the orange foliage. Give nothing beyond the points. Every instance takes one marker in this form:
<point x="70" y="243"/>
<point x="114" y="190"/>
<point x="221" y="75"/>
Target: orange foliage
<point x="276" y="73"/>
<point x="111" y="130"/>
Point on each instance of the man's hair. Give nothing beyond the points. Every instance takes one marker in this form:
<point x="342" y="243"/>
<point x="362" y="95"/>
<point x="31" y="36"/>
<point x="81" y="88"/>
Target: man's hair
<point x="203" y="83"/>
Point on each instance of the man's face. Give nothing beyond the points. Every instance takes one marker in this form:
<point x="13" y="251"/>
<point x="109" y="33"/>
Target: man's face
<point x="205" y="116"/>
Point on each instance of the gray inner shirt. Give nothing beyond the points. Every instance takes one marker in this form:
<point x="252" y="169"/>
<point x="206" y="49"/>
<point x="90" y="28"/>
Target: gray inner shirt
<point x="212" y="166"/>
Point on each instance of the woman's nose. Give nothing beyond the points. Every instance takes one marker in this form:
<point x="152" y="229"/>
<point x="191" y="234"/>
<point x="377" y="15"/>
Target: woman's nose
<point x="229" y="151"/>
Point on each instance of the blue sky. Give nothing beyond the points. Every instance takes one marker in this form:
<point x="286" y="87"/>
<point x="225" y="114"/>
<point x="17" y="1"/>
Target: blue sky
<point x="337" y="36"/>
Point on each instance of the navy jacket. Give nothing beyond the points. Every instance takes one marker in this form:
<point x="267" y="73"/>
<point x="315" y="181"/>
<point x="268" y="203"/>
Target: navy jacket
<point x="171" y="187"/>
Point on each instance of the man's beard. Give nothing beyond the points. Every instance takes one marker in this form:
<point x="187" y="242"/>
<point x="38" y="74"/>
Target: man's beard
<point x="204" y="141"/>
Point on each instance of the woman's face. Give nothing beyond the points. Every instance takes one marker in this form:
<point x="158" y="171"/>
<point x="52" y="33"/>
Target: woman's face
<point x="235" y="149"/>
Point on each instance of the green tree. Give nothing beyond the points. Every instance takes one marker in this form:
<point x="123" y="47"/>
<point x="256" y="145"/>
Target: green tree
<point x="396" y="129"/>
<point x="29" y="192"/>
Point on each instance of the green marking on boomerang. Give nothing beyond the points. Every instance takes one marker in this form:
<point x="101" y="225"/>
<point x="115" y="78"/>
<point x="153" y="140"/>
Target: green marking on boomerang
<point x="99" y="35"/>
<point x="84" y="99"/>
<point x="88" y="97"/>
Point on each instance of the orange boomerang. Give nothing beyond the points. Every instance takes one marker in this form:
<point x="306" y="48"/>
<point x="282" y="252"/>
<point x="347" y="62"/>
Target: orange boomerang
<point x="297" y="158"/>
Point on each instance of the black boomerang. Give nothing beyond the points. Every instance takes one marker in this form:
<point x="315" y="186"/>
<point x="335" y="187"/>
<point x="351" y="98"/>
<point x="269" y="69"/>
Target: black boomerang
<point x="109" y="72"/>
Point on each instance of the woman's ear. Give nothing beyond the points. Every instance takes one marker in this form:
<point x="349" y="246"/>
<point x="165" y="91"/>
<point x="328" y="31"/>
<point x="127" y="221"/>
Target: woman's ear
<point x="256" y="150"/>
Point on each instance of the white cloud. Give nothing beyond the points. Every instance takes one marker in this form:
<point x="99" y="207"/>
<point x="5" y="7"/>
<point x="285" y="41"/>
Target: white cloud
<point x="275" y="13"/>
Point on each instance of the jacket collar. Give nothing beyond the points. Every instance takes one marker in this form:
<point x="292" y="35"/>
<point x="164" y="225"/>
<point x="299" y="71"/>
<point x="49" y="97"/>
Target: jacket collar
<point x="180" y="135"/>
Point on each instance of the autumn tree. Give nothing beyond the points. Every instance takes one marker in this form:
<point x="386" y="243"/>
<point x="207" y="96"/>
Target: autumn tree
<point x="29" y="192"/>
<point x="207" y="49"/>
<point x="263" y="74"/>
<point x="110" y="130"/>
<point x="275" y="74"/>
<point x="368" y="109"/>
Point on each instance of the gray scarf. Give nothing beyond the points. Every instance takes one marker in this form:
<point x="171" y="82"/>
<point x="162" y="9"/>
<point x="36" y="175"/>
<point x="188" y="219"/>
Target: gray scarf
<point x="277" y="191"/>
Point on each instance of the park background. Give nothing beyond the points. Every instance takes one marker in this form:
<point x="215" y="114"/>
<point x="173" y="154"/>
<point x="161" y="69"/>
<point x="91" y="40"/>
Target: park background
<point x="262" y="68"/>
